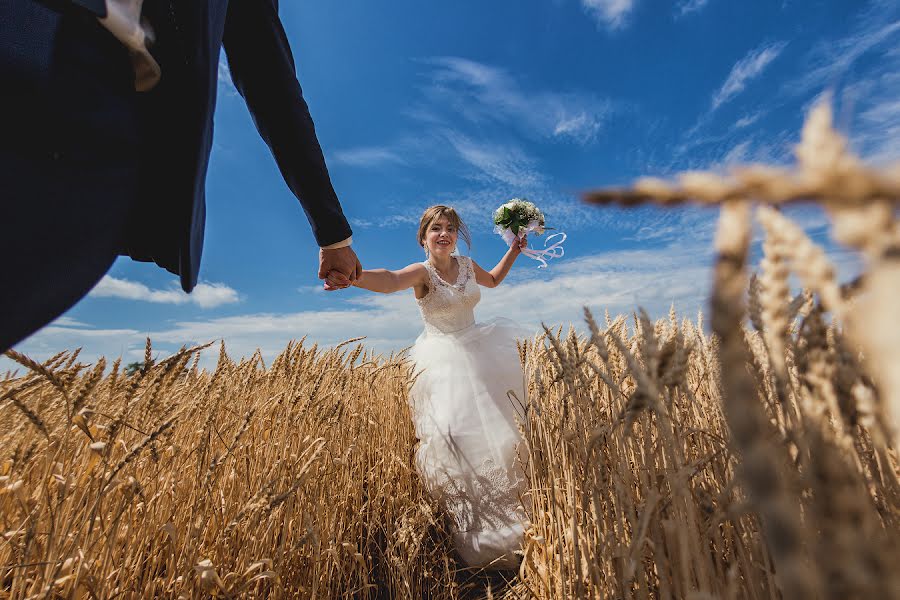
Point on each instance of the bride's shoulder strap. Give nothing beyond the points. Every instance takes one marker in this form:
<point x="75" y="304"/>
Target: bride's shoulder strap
<point x="428" y="268"/>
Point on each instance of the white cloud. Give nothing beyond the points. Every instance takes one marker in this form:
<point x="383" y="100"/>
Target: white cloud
<point x="748" y="120"/>
<point x="611" y="14"/>
<point x="774" y="148"/>
<point x="745" y="70"/>
<point x="407" y="218"/>
<point x="70" y="322"/>
<point x="224" y="77"/>
<point x="736" y="155"/>
<point x="210" y="295"/>
<point x="874" y="129"/>
<point x="830" y="60"/>
<point x="497" y="110"/>
<point x="861" y="73"/>
<point x="205" y="295"/>
<point x="373" y="156"/>
<point x="687" y="7"/>
<point x="702" y="147"/>
<point x="482" y="93"/>
<point x="727" y="151"/>
<point x="812" y="218"/>
<point x="670" y="226"/>
<point x="503" y="163"/>
<point x="857" y="72"/>
<point x="580" y="126"/>
<point x="878" y="130"/>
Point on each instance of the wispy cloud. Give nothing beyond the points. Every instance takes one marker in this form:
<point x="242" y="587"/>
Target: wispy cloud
<point x="497" y="162"/>
<point x="860" y="72"/>
<point x="224" y="77"/>
<point x="483" y="93"/>
<point x="70" y="322"/>
<point x="611" y="14"/>
<point x="736" y="155"/>
<point x="652" y="226"/>
<point x="747" y="146"/>
<point x="370" y="156"/>
<point x="687" y="7"/>
<point x="580" y="126"/>
<point x="830" y="60"/>
<point x="748" y="120"/>
<point x="703" y="133"/>
<point x="389" y="220"/>
<point x="748" y="68"/>
<point x="473" y="115"/>
<point x="205" y="295"/>
<point x="878" y="130"/>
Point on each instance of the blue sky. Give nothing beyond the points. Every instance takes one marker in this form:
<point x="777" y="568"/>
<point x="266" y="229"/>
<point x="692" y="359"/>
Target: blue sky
<point x="472" y="103"/>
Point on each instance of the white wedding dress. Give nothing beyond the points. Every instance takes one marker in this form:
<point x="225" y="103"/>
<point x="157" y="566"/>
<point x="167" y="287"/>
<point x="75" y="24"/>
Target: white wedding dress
<point x="466" y="422"/>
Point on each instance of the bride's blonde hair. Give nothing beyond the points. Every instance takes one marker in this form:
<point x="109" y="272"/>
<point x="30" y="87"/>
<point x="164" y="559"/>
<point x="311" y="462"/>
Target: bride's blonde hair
<point x="433" y="213"/>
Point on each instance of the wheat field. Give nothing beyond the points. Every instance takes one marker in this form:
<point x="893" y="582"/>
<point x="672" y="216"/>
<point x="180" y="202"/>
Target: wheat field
<point x="753" y="457"/>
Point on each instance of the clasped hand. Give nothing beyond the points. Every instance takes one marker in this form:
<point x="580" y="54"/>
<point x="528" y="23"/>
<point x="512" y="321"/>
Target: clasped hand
<point x="340" y="267"/>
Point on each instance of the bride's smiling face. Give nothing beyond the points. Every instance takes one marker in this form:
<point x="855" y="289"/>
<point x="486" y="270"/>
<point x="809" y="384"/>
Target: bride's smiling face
<point x="441" y="237"/>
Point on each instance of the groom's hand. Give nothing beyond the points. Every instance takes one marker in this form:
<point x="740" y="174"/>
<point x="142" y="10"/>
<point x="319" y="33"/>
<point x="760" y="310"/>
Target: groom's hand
<point x="336" y="281"/>
<point x="344" y="261"/>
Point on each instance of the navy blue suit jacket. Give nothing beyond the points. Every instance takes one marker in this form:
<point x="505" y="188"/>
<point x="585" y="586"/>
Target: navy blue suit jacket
<point x="176" y="117"/>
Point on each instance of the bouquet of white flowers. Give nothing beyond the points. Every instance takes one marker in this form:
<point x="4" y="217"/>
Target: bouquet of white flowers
<point x="519" y="217"/>
<point x="516" y="214"/>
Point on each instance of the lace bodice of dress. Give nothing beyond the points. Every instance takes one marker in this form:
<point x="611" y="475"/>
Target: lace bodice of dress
<point x="450" y="307"/>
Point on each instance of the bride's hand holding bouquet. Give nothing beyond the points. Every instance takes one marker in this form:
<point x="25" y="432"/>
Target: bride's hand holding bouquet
<point x="518" y="217"/>
<point x="519" y="244"/>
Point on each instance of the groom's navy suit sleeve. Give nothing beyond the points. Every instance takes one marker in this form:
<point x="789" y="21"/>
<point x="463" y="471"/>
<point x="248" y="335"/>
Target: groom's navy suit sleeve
<point x="262" y="69"/>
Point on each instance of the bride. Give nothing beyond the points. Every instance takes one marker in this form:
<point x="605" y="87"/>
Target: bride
<point x="464" y="417"/>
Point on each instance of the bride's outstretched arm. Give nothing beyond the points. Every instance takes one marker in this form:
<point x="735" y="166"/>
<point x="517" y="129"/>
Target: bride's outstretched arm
<point x="493" y="277"/>
<point x="384" y="280"/>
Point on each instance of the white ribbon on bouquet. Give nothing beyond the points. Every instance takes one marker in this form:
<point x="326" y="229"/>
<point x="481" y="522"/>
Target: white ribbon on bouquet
<point x="551" y="251"/>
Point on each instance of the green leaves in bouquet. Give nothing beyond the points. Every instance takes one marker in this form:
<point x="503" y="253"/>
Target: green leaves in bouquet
<point x="509" y="219"/>
<point x="515" y="225"/>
